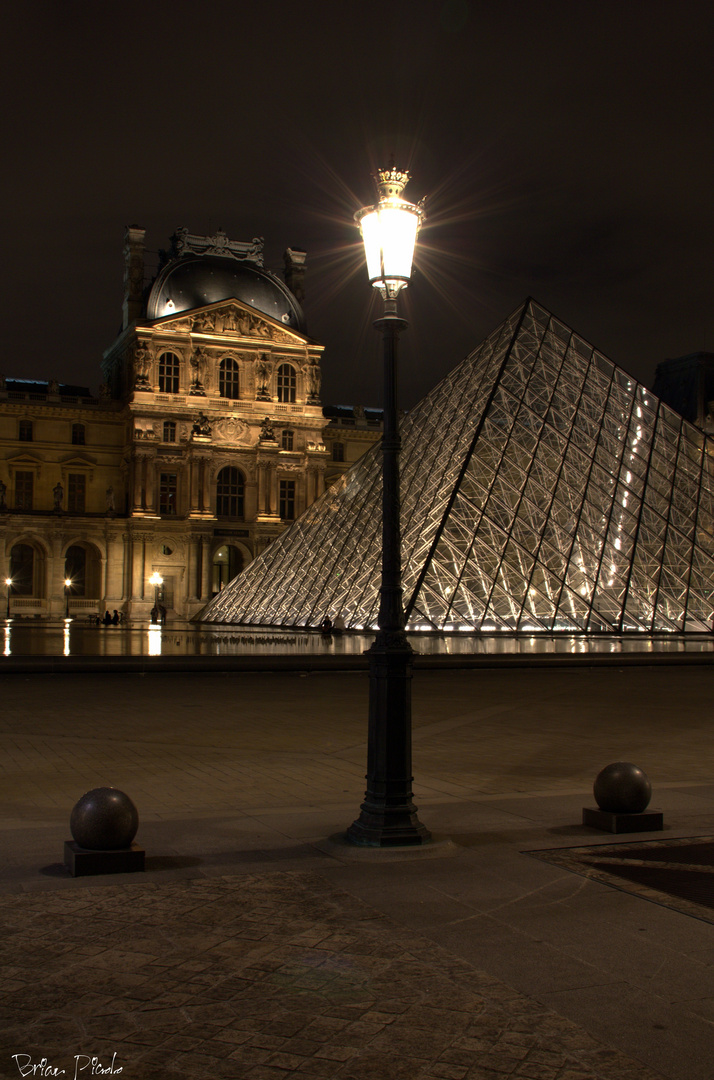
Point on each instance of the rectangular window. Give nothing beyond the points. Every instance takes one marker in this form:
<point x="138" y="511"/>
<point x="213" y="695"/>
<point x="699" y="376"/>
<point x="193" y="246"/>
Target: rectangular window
<point x="169" y="431"/>
<point x="168" y="487"/>
<point x="78" y="434"/>
<point x="76" y="493"/>
<point x="25" y="431"/>
<point x="287" y="500"/>
<point x="23" y="490"/>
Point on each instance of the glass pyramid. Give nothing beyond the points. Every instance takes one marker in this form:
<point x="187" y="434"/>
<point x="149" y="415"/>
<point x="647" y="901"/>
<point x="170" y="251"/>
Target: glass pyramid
<point x="543" y="489"/>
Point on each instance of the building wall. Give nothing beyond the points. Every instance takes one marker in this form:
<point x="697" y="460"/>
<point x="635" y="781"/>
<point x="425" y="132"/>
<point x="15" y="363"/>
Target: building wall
<point x="137" y="496"/>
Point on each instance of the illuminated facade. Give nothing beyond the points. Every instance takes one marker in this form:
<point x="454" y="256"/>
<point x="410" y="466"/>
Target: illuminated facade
<point x="543" y="490"/>
<point x="205" y="441"/>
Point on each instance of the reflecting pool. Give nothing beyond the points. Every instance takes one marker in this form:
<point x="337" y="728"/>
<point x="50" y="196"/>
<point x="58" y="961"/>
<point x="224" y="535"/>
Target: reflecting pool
<point x="25" y="637"/>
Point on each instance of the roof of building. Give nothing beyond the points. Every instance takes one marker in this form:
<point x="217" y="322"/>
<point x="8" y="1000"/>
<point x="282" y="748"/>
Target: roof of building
<point x="193" y="281"/>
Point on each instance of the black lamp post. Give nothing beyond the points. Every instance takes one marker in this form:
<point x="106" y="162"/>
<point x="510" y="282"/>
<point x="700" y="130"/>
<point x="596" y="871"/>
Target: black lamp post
<point x="388" y="817"/>
<point x="67" y="590"/>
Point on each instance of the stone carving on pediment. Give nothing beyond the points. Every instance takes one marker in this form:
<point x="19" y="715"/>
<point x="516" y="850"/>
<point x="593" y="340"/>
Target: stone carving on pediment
<point x="205" y="321"/>
<point x="142" y="360"/>
<point x="289" y="467"/>
<point x="185" y="243"/>
<point x="232" y="429"/>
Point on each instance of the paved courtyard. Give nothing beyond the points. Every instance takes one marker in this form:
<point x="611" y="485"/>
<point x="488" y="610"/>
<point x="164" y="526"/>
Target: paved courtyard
<point x="258" y="945"/>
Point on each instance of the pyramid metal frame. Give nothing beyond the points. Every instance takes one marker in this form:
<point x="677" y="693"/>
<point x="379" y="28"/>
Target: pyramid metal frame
<point x="543" y="490"/>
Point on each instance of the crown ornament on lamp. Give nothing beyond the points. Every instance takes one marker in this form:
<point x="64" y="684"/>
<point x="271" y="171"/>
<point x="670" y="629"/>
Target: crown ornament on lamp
<point x="389" y="231"/>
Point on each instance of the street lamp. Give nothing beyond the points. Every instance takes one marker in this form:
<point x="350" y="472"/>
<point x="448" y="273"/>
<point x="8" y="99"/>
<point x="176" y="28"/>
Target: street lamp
<point x="8" y="586"/>
<point x="388" y="817"/>
<point x="67" y="589"/>
<point x="157" y="581"/>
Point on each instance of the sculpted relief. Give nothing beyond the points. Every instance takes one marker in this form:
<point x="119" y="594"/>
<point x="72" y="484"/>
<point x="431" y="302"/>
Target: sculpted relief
<point x="231" y="429"/>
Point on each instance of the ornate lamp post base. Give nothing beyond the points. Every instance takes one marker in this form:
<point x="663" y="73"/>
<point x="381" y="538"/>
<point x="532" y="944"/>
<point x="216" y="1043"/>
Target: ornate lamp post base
<point x="388" y="816"/>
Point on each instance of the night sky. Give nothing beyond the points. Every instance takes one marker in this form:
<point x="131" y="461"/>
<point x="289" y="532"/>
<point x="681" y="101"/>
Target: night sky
<point x="564" y="146"/>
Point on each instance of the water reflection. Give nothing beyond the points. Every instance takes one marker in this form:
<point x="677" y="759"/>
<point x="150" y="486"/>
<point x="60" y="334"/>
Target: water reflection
<point x="73" y="638"/>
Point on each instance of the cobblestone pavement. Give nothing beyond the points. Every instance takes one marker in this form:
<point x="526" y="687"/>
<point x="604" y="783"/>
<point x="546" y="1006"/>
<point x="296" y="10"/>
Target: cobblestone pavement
<point x="259" y="978"/>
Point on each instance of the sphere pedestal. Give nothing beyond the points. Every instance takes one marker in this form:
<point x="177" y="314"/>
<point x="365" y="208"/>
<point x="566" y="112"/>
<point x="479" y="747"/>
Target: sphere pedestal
<point x="623" y="792"/>
<point x="103" y="823"/>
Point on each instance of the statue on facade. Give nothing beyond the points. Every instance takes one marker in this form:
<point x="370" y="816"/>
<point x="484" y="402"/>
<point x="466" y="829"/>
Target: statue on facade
<point x="198" y="361"/>
<point x="52" y="386"/>
<point x="266" y="431"/>
<point x="262" y="378"/>
<point x="201" y="425"/>
<point x="111" y="509"/>
<point x="313" y="382"/>
<point x="105" y="392"/>
<point x="142" y="365"/>
<point x="3" y="383"/>
<point x="58" y="493"/>
<point x="3" y="493"/>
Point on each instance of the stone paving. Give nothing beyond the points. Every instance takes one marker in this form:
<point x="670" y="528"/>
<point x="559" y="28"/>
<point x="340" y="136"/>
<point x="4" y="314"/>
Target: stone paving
<point x="252" y="947"/>
<point x="262" y="977"/>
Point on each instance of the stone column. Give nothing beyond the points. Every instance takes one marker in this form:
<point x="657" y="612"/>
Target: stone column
<point x="126" y="567"/>
<point x="205" y="487"/>
<point x="151" y="485"/>
<point x="138" y="567"/>
<point x="261" y="489"/>
<point x="192" y="585"/>
<point x="138" y="483"/>
<point x="273" y="489"/>
<point x="194" y="486"/>
<point x="205" y="569"/>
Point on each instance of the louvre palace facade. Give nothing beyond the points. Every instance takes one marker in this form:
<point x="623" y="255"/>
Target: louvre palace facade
<point x="543" y="490"/>
<point x="205" y="441"/>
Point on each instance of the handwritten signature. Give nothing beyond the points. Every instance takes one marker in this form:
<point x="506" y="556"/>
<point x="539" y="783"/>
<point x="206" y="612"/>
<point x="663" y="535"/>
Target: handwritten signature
<point x="83" y="1064"/>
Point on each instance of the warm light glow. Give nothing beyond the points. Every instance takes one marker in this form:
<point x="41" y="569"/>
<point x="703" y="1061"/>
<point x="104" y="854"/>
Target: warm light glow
<point x="67" y="583"/>
<point x="8" y="581"/>
<point x="156" y="579"/>
<point x="389" y="231"/>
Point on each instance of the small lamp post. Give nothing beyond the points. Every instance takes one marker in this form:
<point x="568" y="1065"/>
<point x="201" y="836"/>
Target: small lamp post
<point x="67" y="590"/>
<point x="388" y="817"/>
<point x="8" y="586"/>
<point x="157" y="581"/>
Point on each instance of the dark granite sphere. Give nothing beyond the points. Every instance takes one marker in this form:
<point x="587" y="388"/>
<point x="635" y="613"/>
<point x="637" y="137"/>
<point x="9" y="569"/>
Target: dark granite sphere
<point x="622" y="788"/>
<point x="104" y="819"/>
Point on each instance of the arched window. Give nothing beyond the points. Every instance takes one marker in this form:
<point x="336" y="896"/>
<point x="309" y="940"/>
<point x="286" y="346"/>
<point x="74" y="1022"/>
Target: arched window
<point x="78" y="434"/>
<point x="75" y="569"/>
<point x="287" y="382"/>
<point x="168" y="373"/>
<point x="22" y="570"/>
<point x="228" y="385"/>
<point x="287" y="439"/>
<point x="230" y="493"/>
<point x="227" y="562"/>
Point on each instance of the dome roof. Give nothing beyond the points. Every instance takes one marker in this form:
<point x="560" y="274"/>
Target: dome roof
<point x="197" y="280"/>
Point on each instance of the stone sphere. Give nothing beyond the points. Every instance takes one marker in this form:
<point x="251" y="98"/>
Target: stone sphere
<point x="104" y="819"/>
<point x="622" y="788"/>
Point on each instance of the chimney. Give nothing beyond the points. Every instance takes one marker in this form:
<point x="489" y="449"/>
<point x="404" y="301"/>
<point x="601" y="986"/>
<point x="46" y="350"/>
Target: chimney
<point x="295" y="272"/>
<point x="133" y="274"/>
